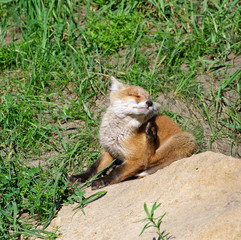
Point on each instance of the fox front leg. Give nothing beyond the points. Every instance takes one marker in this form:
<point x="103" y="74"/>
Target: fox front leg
<point x="122" y="172"/>
<point x="102" y="162"/>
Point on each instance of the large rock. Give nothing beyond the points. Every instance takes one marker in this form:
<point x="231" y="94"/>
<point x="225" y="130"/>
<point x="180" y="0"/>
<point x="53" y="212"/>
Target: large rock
<point x="201" y="196"/>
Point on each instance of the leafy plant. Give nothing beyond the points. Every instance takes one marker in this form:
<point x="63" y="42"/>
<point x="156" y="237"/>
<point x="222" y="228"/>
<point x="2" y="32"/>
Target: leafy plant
<point x="151" y="221"/>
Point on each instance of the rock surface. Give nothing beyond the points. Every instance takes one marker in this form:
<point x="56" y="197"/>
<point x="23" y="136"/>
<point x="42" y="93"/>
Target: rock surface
<point x="200" y="195"/>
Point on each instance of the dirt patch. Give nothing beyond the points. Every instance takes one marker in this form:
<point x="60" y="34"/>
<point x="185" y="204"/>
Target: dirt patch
<point x="13" y="34"/>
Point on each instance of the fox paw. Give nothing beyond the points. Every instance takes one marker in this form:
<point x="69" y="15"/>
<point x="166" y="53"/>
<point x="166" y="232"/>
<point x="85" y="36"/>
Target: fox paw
<point x="76" y="179"/>
<point x="100" y="183"/>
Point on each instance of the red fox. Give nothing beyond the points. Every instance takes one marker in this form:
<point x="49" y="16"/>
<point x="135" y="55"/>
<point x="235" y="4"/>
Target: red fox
<point x="133" y="132"/>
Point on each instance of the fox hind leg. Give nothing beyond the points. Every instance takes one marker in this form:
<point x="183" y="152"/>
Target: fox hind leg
<point x="178" y="146"/>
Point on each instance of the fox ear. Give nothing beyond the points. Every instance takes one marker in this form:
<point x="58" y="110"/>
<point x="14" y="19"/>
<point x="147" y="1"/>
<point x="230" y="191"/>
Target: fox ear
<point x="115" y="85"/>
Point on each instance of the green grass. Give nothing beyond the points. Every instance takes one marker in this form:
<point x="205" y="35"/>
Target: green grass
<point x="55" y="61"/>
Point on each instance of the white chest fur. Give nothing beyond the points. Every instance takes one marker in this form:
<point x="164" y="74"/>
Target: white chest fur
<point x="114" y="131"/>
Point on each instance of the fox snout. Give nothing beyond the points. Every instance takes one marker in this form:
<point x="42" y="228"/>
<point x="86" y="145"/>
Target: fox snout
<point x="149" y="103"/>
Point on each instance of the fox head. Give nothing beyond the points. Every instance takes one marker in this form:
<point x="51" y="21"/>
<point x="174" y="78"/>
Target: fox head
<point x="131" y="101"/>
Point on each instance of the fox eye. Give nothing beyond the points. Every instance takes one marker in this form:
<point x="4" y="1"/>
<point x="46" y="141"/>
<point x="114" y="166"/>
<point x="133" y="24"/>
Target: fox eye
<point x="133" y="95"/>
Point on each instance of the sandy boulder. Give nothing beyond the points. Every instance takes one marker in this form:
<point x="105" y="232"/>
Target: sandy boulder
<point x="200" y="195"/>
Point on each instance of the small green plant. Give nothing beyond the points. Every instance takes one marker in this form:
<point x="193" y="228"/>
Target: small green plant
<point x="153" y="222"/>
